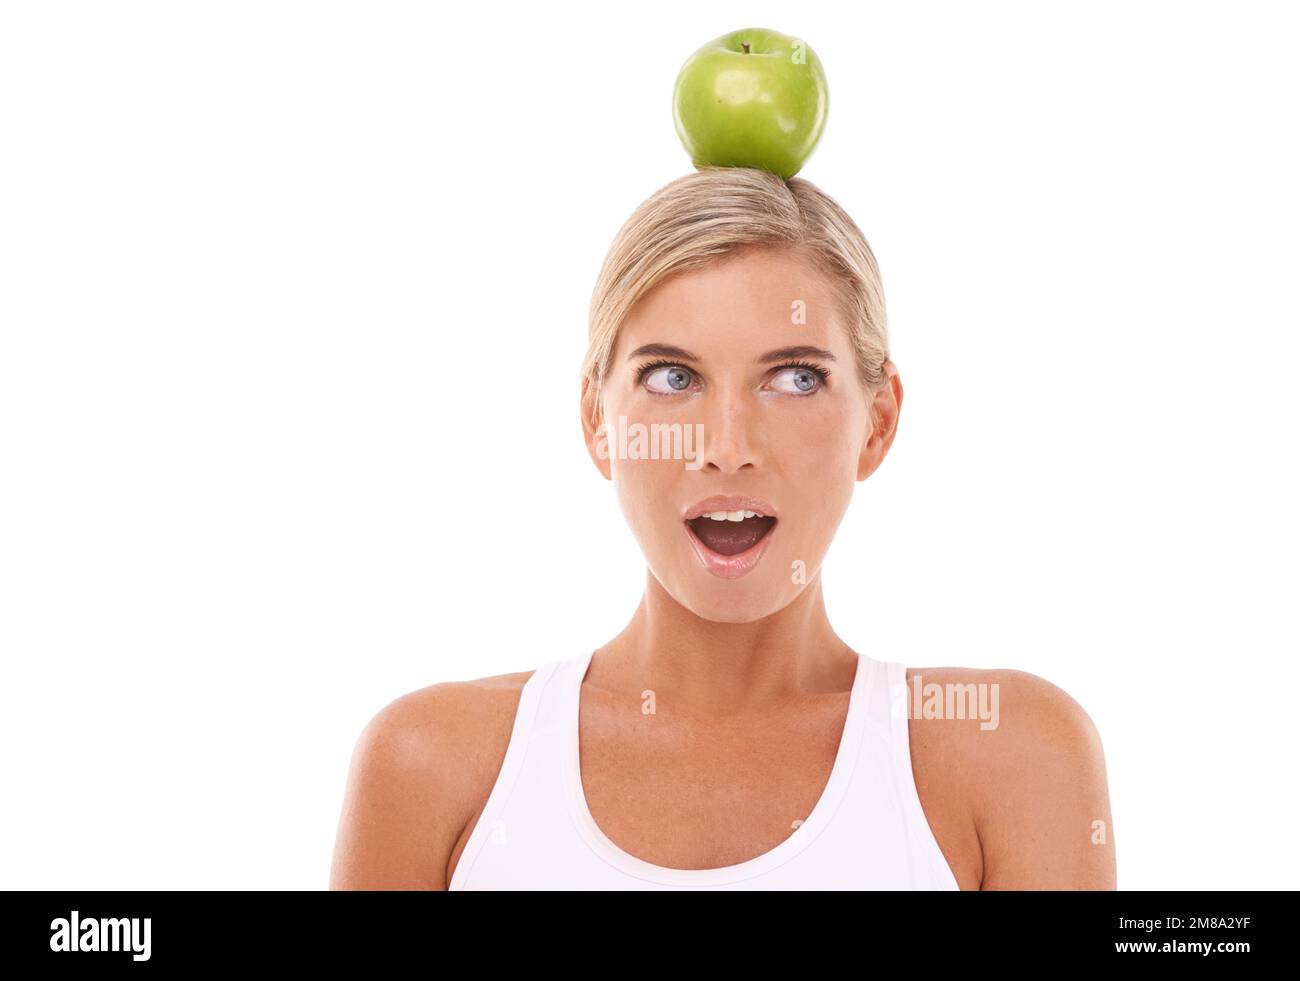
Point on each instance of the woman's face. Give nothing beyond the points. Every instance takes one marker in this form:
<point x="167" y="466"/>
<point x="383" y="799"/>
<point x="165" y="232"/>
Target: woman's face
<point x="734" y="389"/>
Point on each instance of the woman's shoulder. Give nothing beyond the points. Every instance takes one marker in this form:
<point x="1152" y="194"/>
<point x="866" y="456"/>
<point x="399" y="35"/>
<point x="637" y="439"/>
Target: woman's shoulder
<point x="1000" y="718"/>
<point x="1026" y="761"/>
<point x="418" y="771"/>
<point x="1030" y="704"/>
<point x="460" y="718"/>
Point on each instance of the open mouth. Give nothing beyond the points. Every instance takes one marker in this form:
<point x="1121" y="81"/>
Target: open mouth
<point x="731" y="532"/>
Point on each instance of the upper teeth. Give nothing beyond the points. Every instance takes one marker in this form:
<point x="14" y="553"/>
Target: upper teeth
<point x="730" y="515"/>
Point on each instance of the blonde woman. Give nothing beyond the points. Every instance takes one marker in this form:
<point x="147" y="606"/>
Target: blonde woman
<point x="727" y="738"/>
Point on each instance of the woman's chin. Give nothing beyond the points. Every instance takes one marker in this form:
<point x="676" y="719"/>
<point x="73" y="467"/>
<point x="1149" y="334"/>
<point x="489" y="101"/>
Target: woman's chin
<point x="723" y="601"/>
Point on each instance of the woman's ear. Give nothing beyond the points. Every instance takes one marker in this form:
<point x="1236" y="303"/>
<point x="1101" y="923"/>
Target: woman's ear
<point x="593" y="426"/>
<point x="884" y="410"/>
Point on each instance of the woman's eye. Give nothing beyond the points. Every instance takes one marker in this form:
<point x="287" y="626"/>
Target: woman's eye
<point x="796" y="381"/>
<point x="667" y="380"/>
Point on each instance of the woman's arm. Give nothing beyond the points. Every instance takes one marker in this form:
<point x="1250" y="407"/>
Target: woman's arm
<point x="1042" y="808"/>
<point x="401" y="816"/>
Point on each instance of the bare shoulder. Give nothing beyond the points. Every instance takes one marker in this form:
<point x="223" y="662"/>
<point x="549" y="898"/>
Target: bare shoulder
<point x="420" y="767"/>
<point x="1021" y="761"/>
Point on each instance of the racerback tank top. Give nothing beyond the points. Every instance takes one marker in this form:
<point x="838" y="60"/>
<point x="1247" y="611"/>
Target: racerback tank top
<point x="866" y="831"/>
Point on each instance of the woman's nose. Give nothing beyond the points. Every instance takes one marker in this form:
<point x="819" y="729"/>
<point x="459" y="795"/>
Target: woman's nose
<point x="731" y="438"/>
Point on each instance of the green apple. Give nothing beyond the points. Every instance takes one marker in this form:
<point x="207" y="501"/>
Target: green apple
<point x="751" y="98"/>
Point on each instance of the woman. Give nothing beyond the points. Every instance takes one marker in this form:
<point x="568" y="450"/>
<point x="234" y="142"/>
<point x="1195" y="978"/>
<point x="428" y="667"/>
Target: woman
<point x="738" y="385"/>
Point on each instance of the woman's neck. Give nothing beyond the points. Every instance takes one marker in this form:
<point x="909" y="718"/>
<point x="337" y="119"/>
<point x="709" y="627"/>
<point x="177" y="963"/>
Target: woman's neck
<point x="725" y="668"/>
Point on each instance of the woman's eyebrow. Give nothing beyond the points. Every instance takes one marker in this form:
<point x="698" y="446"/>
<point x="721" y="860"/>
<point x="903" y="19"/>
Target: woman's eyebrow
<point x="663" y="351"/>
<point x="780" y="354"/>
<point x="798" y="351"/>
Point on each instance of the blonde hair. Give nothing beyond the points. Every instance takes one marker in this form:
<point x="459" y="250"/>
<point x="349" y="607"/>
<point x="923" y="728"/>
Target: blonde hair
<point x="698" y="218"/>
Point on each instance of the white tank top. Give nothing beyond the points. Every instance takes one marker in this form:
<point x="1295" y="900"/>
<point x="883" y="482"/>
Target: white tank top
<point x="866" y="831"/>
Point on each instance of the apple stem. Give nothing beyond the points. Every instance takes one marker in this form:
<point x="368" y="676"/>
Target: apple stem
<point x="745" y="45"/>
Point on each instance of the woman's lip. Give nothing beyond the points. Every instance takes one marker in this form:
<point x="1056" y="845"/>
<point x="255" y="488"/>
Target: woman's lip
<point x="729" y="502"/>
<point x="729" y="566"/>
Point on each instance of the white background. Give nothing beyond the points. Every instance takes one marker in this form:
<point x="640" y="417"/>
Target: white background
<point x="292" y="301"/>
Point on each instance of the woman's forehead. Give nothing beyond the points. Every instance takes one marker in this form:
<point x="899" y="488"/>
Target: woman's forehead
<point x="739" y="305"/>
